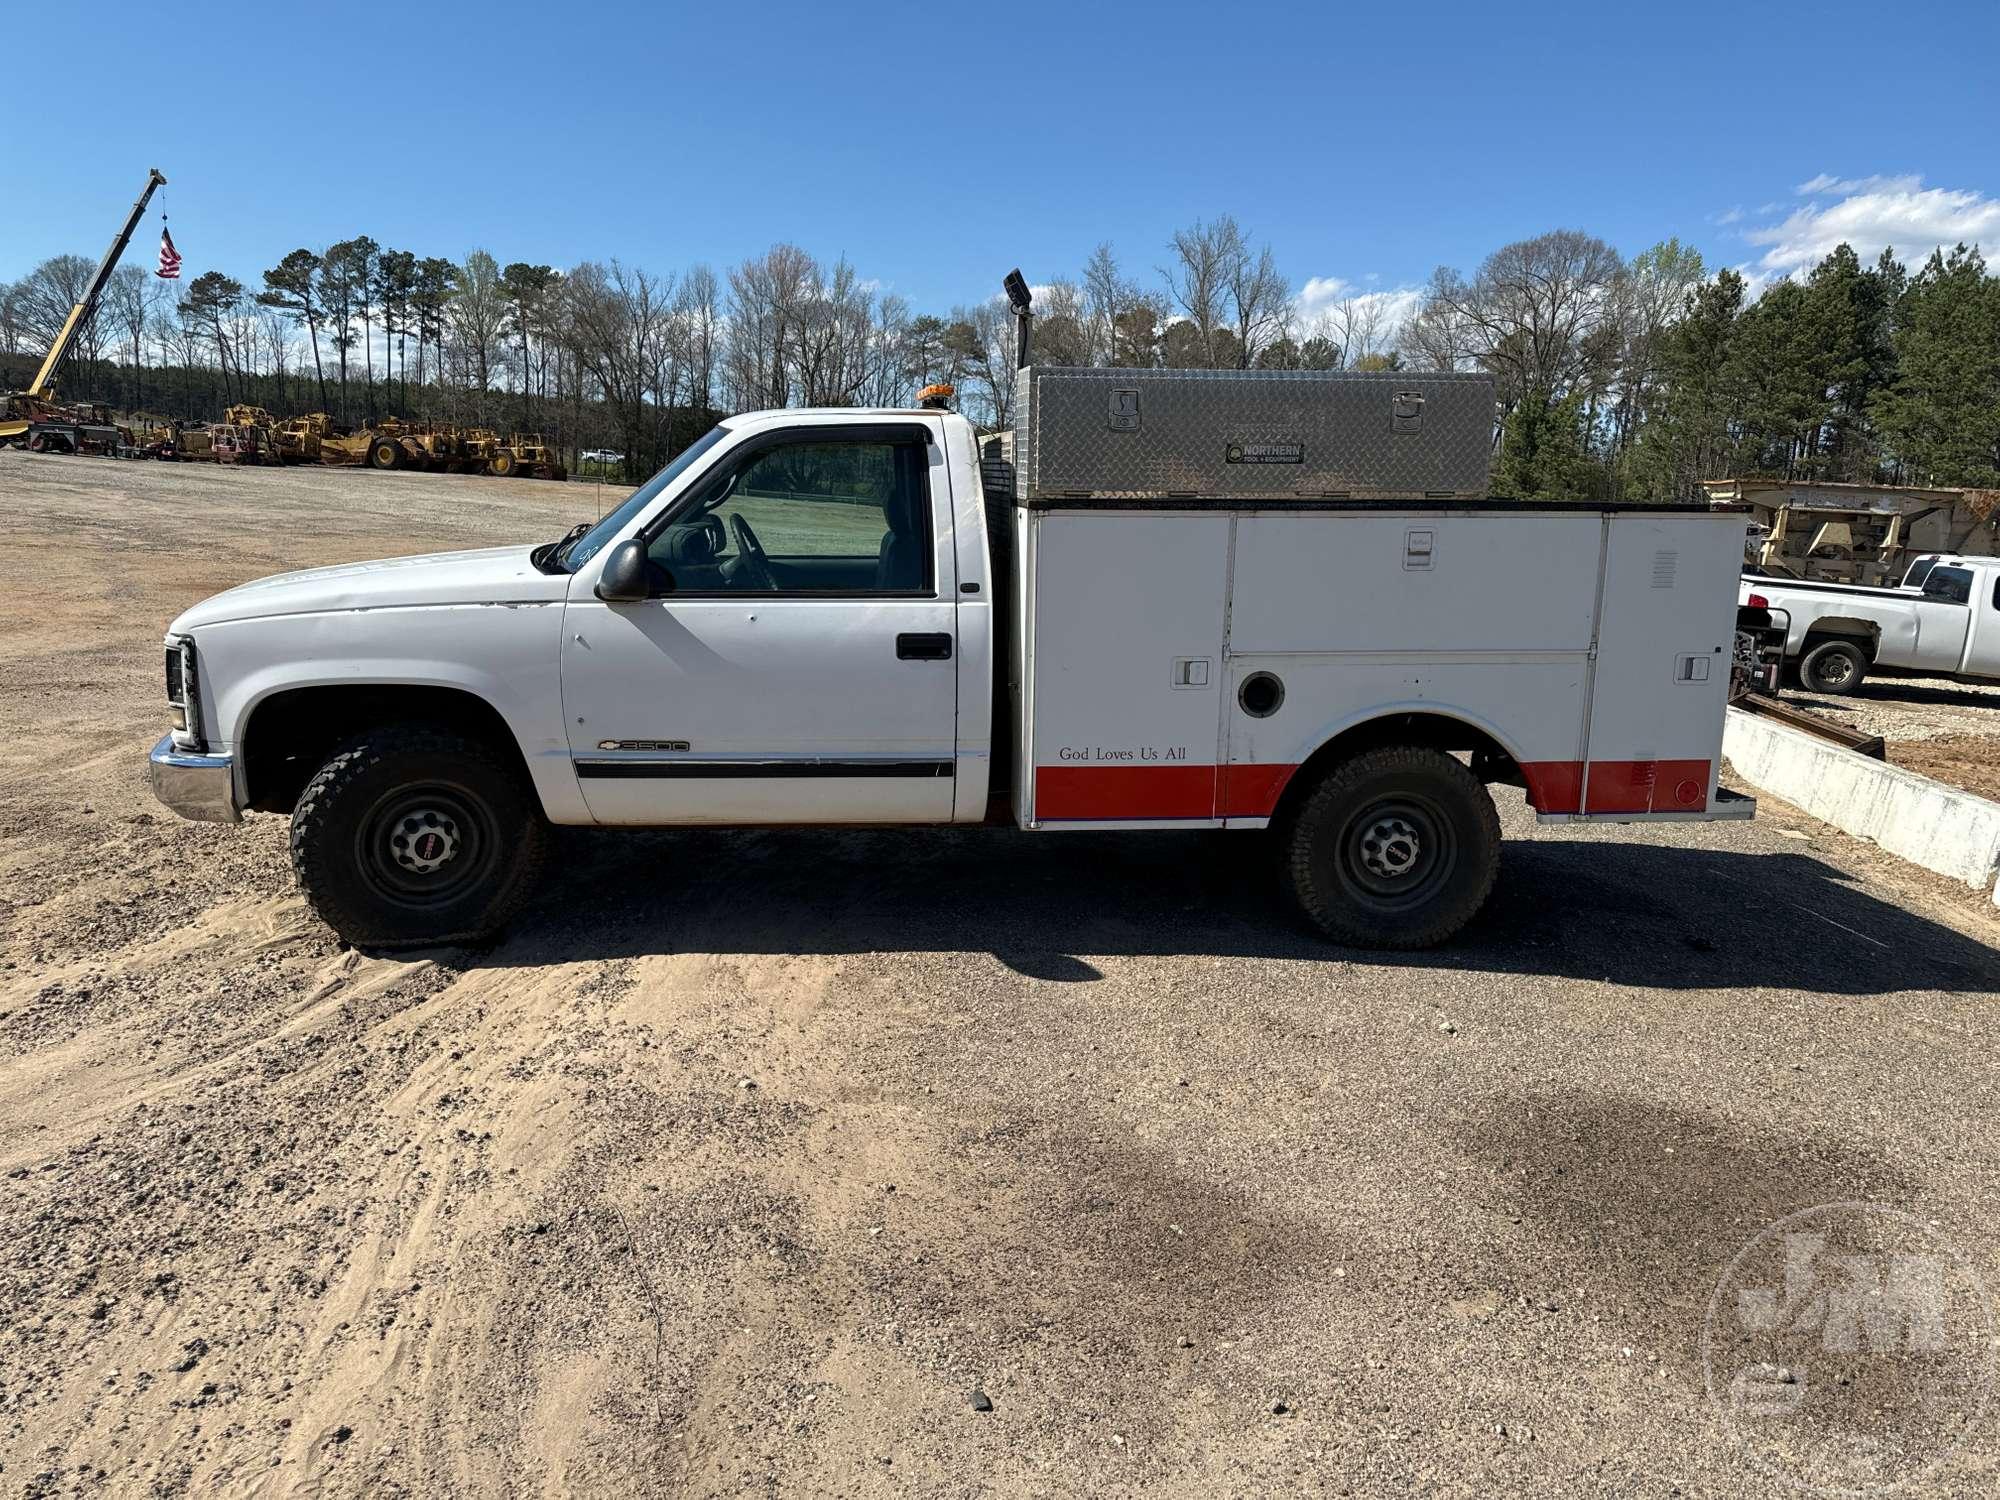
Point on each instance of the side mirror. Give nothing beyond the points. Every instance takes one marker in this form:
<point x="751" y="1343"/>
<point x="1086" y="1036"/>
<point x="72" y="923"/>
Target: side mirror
<point x="624" y="580"/>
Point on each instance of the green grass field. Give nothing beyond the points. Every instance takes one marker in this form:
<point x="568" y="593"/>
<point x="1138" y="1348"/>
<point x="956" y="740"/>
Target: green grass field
<point x="790" y="527"/>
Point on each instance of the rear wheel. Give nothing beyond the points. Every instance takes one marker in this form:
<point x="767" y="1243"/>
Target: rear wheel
<point x="1835" y="667"/>
<point x="503" y="463"/>
<point x="385" y="453"/>
<point x="410" y="836"/>
<point x="1395" y="848"/>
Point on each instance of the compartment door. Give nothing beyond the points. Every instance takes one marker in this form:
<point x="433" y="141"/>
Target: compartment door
<point x="1127" y="675"/>
<point x="1662" y="682"/>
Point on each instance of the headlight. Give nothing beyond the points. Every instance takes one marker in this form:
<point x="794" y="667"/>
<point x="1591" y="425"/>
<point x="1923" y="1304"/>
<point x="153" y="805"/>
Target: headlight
<point x="184" y="691"/>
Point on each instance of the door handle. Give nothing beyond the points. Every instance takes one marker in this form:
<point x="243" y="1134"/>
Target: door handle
<point x="923" y="646"/>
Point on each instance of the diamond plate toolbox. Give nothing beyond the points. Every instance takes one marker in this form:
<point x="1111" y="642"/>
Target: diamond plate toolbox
<point x="1294" y="434"/>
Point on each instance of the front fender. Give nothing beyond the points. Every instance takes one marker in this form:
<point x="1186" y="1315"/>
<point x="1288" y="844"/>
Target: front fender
<point x="505" y="655"/>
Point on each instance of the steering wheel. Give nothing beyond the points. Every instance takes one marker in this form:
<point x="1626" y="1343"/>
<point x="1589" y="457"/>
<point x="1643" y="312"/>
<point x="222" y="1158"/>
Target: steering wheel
<point x="754" y="556"/>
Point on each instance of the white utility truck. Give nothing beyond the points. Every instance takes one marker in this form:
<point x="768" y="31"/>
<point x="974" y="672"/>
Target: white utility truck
<point x="1213" y="600"/>
<point x="1943" y="620"/>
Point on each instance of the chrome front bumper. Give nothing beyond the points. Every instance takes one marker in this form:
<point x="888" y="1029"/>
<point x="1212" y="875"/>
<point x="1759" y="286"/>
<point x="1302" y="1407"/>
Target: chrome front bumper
<point x="202" y="787"/>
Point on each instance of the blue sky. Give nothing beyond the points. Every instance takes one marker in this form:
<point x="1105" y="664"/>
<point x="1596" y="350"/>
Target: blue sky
<point x="936" y="146"/>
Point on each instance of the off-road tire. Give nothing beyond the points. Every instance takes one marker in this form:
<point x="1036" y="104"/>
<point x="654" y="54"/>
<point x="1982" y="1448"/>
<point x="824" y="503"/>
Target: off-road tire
<point x="385" y="780"/>
<point x="385" y="453"/>
<point x="1441" y="819"/>
<point x="503" y="464"/>
<point x="1834" y="667"/>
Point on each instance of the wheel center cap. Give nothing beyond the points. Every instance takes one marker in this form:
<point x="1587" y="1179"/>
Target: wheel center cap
<point x="1390" y="847"/>
<point x="423" y="841"/>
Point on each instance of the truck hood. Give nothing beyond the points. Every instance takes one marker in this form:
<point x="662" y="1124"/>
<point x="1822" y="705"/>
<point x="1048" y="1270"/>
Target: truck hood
<point x="490" y="575"/>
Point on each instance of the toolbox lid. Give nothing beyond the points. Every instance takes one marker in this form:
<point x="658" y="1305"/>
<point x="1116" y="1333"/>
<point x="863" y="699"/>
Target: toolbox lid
<point x="1242" y="434"/>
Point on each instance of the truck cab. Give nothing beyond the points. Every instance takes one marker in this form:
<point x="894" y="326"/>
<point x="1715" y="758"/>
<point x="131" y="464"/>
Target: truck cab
<point x="829" y="617"/>
<point x="812" y="610"/>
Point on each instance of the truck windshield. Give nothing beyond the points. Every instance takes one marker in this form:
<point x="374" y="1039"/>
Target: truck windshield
<point x="575" y="554"/>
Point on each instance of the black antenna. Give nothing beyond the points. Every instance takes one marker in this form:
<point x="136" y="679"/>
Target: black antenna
<point x="1024" y="315"/>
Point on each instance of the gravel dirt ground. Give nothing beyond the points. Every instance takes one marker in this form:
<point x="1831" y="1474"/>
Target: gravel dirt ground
<point x="747" y="1159"/>
<point x="1932" y="725"/>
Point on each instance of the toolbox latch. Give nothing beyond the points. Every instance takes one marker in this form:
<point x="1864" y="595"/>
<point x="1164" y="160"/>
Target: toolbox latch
<point x="1419" y="549"/>
<point x="1408" y="412"/>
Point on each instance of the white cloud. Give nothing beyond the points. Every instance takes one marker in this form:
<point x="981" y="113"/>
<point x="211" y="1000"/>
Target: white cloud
<point x="1387" y="310"/>
<point x="1828" y="185"/>
<point x="1321" y="292"/>
<point x="1869" y="214"/>
<point x="1730" y="217"/>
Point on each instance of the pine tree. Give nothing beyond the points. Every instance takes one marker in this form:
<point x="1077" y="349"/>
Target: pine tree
<point x="1688" y="438"/>
<point x="290" y="287"/>
<point x="1846" y="309"/>
<point x="1941" y="418"/>
<point x="1545" y="450"/>
<point x="1779" y="367"/>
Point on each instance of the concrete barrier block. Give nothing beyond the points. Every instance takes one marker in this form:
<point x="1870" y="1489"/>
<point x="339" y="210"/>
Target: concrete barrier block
<point x="1921" y="820"/>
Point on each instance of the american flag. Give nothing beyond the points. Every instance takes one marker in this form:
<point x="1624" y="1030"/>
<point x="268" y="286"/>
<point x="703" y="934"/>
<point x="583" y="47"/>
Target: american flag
<point x="170" y="258"/>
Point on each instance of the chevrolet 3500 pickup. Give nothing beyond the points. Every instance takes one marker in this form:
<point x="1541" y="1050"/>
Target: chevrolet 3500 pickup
<point x="1211" y="600"/>
<point x="1945" y="620"/>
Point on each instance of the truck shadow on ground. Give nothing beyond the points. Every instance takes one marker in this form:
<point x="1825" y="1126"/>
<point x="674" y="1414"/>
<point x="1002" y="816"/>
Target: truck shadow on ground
<point x="1916" y="692"/>
<point x="1645" y="915"/>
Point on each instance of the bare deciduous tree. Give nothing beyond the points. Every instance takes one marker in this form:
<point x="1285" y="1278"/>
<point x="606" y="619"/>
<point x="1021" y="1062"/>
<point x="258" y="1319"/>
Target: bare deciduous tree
<point x="983" y="339"/>
<point x="698" y="315"/>
<point x="1537" y="313"/>
<point x="44" y="298"/>
<point x="1234" y="298"/>
<point x="765" y="297"/>
<point x="1198" y="280"/>
<point x="476" y="318"/>
<point x="128" y="304"/>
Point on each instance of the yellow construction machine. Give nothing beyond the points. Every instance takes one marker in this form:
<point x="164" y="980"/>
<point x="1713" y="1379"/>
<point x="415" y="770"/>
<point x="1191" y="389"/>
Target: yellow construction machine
<point x="476" y="447"/>
<point x="526" y="454"/>
<point x="377" y="446"/>
<point x="32" y="417"/>
<point x="297" y="439"/>
<point x="258" y="442"/>
<point x="195" y="443"/>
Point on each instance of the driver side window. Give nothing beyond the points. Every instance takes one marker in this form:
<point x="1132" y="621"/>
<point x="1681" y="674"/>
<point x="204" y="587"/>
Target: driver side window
<point x="814" y="517"/>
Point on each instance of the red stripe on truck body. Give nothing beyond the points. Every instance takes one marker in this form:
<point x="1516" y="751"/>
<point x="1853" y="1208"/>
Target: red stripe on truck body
<point x="1617" y="786"/>
<point x="1091" y="794"/>
<point x="1077" y="794"/>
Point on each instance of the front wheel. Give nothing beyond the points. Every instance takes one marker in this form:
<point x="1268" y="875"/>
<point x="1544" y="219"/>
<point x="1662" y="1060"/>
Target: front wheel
<point x="410" y="836"/>
<point x="385" y="453"/>
<point x="1396" y="848"/>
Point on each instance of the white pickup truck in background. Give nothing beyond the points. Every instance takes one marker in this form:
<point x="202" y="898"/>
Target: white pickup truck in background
<point x="1944" y="620"/>
<point x="1206" y="607"/>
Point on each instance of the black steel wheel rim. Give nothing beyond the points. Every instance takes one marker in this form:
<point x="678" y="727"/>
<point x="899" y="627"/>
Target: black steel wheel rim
<point x="1834" y="669"/>
<point x="425" y="846"/>
<point x="1396" y="852"/>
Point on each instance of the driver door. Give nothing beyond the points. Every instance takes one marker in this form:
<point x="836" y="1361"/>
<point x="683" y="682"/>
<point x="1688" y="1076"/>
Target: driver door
<point x="794" y="664"/>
